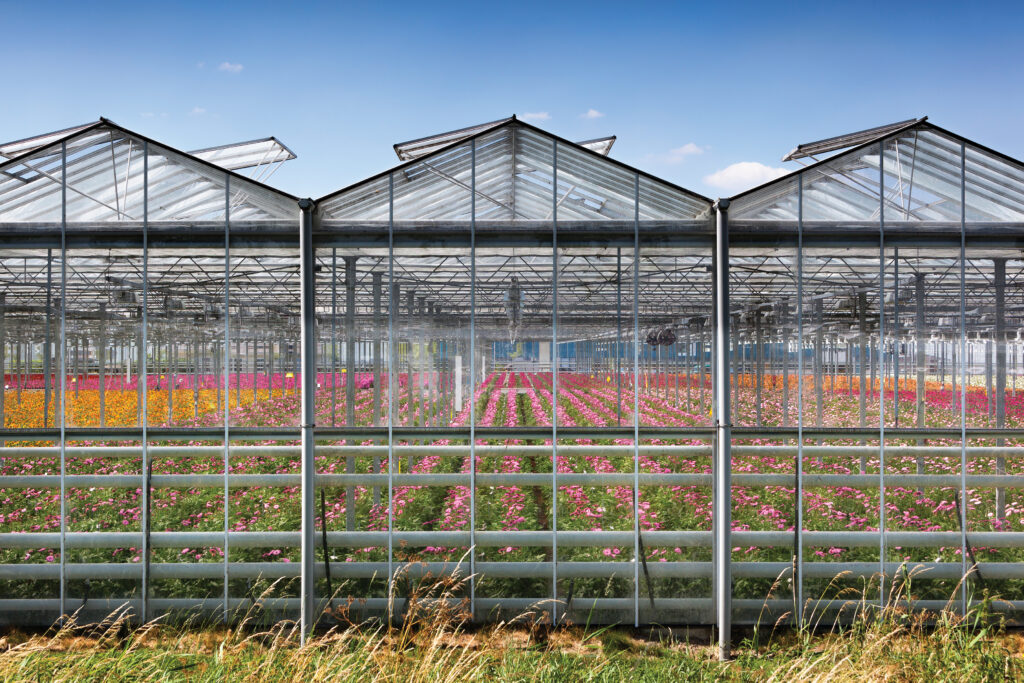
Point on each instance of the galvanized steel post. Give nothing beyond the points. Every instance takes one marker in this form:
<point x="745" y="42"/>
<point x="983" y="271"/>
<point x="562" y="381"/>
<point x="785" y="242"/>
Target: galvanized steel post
<point x="722" y="506"/>
<point x="307" y="266"/>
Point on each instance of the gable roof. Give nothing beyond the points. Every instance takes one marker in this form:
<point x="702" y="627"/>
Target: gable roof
<point x="104" y="177"/>
<point x="514" y="174"/>
<point x="914" y="169"/>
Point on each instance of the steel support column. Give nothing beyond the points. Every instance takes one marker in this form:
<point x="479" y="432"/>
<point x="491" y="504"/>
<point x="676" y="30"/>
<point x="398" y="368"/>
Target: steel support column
<point x="722" y="505"/>
<point x="307" y="266"/>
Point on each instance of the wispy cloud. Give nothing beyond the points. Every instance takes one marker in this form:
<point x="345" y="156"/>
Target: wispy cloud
<point x="230" y="67"/>
<point x="200" y="65"/>
<point x="679" y="154"/>
<point x="536" y="116"/>
<point x="743" y="175"/>
<point x="592" y="114"/>
<point x="676" y="155"/>
<point x="197" y="111"/>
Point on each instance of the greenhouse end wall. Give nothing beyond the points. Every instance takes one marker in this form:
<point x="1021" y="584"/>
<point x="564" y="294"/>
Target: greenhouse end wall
<point x="497" y="363"/>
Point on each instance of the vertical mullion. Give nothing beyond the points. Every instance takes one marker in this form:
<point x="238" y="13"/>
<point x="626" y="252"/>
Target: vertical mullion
<point x="881" y="373"/>
<point x="618" y="336"/>
<point x="636" y="401"/>
<point x="963" y="379"/>
<point x="472" y="373"/>
<point x="225" y="372"/>
<point x="63" y="307"/>
<point x="554" y="381"/>
<point x="334" y="343"/>
<point x="144" y="379"/>
<point x="798" y="580"/>
<point x="392" y="362"/>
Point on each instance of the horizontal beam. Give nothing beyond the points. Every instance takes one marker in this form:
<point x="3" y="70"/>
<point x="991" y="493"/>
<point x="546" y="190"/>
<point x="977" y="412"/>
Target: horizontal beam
<point x="508" y="570"/>
<point x="501" y="539"/>
<point x="491" y="479"/>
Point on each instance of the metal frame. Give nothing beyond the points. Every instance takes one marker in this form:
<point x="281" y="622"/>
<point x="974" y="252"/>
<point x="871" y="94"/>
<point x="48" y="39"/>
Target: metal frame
<point x="752" y="267"/>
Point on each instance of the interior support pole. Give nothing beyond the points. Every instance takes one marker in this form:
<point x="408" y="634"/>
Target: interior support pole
<point x="350" y="382"/>
<point x="922" y="358"/>
<point x="1000" y="388"/>
<point x="722" y="510"/>
<point x="819" y="364"/>
<point x="862" y="362"/>
<point x="48" y="342"/>
<point x="377" y="417"/>
<point x="689" y="371"/>
<point x="618" y="335"/>
<point x="784" y="353"/>
<point x="896" y="336"/>
<point x="101" y="355"/>
<point x="3" y="362"/>
<point x="758" y="364"/>
<point x="334" y="337"/>
<point x="307" y="266"/>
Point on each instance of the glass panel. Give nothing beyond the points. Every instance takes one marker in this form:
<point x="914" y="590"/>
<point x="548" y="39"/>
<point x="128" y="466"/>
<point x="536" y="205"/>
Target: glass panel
<point x="591" y="188"/>
<point x="779" y="202"/>
<point x="29" y="348"/>
<point x="365" y="201"/>
<point x="993" y="280"/>
<point x="185" y="339"/>
<point x="263" y="326"/>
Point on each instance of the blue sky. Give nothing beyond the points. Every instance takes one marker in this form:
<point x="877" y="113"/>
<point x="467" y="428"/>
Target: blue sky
<point x="691" y="90"/>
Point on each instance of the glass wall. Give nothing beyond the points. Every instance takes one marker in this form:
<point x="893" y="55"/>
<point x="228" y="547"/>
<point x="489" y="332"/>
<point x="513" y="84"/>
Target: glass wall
<point x="513" y="384"/>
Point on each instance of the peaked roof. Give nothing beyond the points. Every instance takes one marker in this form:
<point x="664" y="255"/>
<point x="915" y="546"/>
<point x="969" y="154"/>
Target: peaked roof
<point x="105" y="171"/>
<point x="420" y="147"/>
<point x="914" y="169"/>
<point x="515" y="179"/>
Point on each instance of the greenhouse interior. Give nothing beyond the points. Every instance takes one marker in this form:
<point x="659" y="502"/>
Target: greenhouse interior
<point x="570" y="389"/>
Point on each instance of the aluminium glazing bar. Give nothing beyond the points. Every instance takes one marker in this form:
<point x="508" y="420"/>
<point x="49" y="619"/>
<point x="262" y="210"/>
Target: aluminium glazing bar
<point x="334" y="337"/>
<point x="472" y="373"/>
<point x="498" y="539"/>
<point x="964" y="598"/>
<point x="63" y="382"/>
<point x="881" y="376"/>
<point x="510" y="569"/>
<point x="862" y="481"/>
<point x="143" y="383"/>
<point x="392" y="364"/>
<point x="798" y="503"/>
<point x="424" y="450"/>
<point x="636" y="401"/>
<point x="554" y="382"/>
<point x="226" y="374"/>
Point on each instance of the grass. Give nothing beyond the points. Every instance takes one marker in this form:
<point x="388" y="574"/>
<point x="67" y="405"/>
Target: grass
<point x="435" y="643"/>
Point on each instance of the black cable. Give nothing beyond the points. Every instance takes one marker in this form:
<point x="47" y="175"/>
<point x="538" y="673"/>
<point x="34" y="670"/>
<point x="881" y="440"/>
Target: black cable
<point x="970" y="548"/>
<point x="327" y="555"/>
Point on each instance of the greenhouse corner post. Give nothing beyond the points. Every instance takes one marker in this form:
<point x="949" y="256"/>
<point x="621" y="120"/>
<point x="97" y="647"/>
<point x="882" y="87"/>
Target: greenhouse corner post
<point x="723" y="440"/>
<point x="307" y="304"/>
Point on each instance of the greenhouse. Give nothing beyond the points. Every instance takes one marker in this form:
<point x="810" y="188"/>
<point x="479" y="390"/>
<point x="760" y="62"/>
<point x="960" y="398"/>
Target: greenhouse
<point x="581" y="393"/>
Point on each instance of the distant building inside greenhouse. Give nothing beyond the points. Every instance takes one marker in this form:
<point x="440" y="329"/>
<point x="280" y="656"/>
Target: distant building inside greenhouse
<point x="580" y="391"/>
